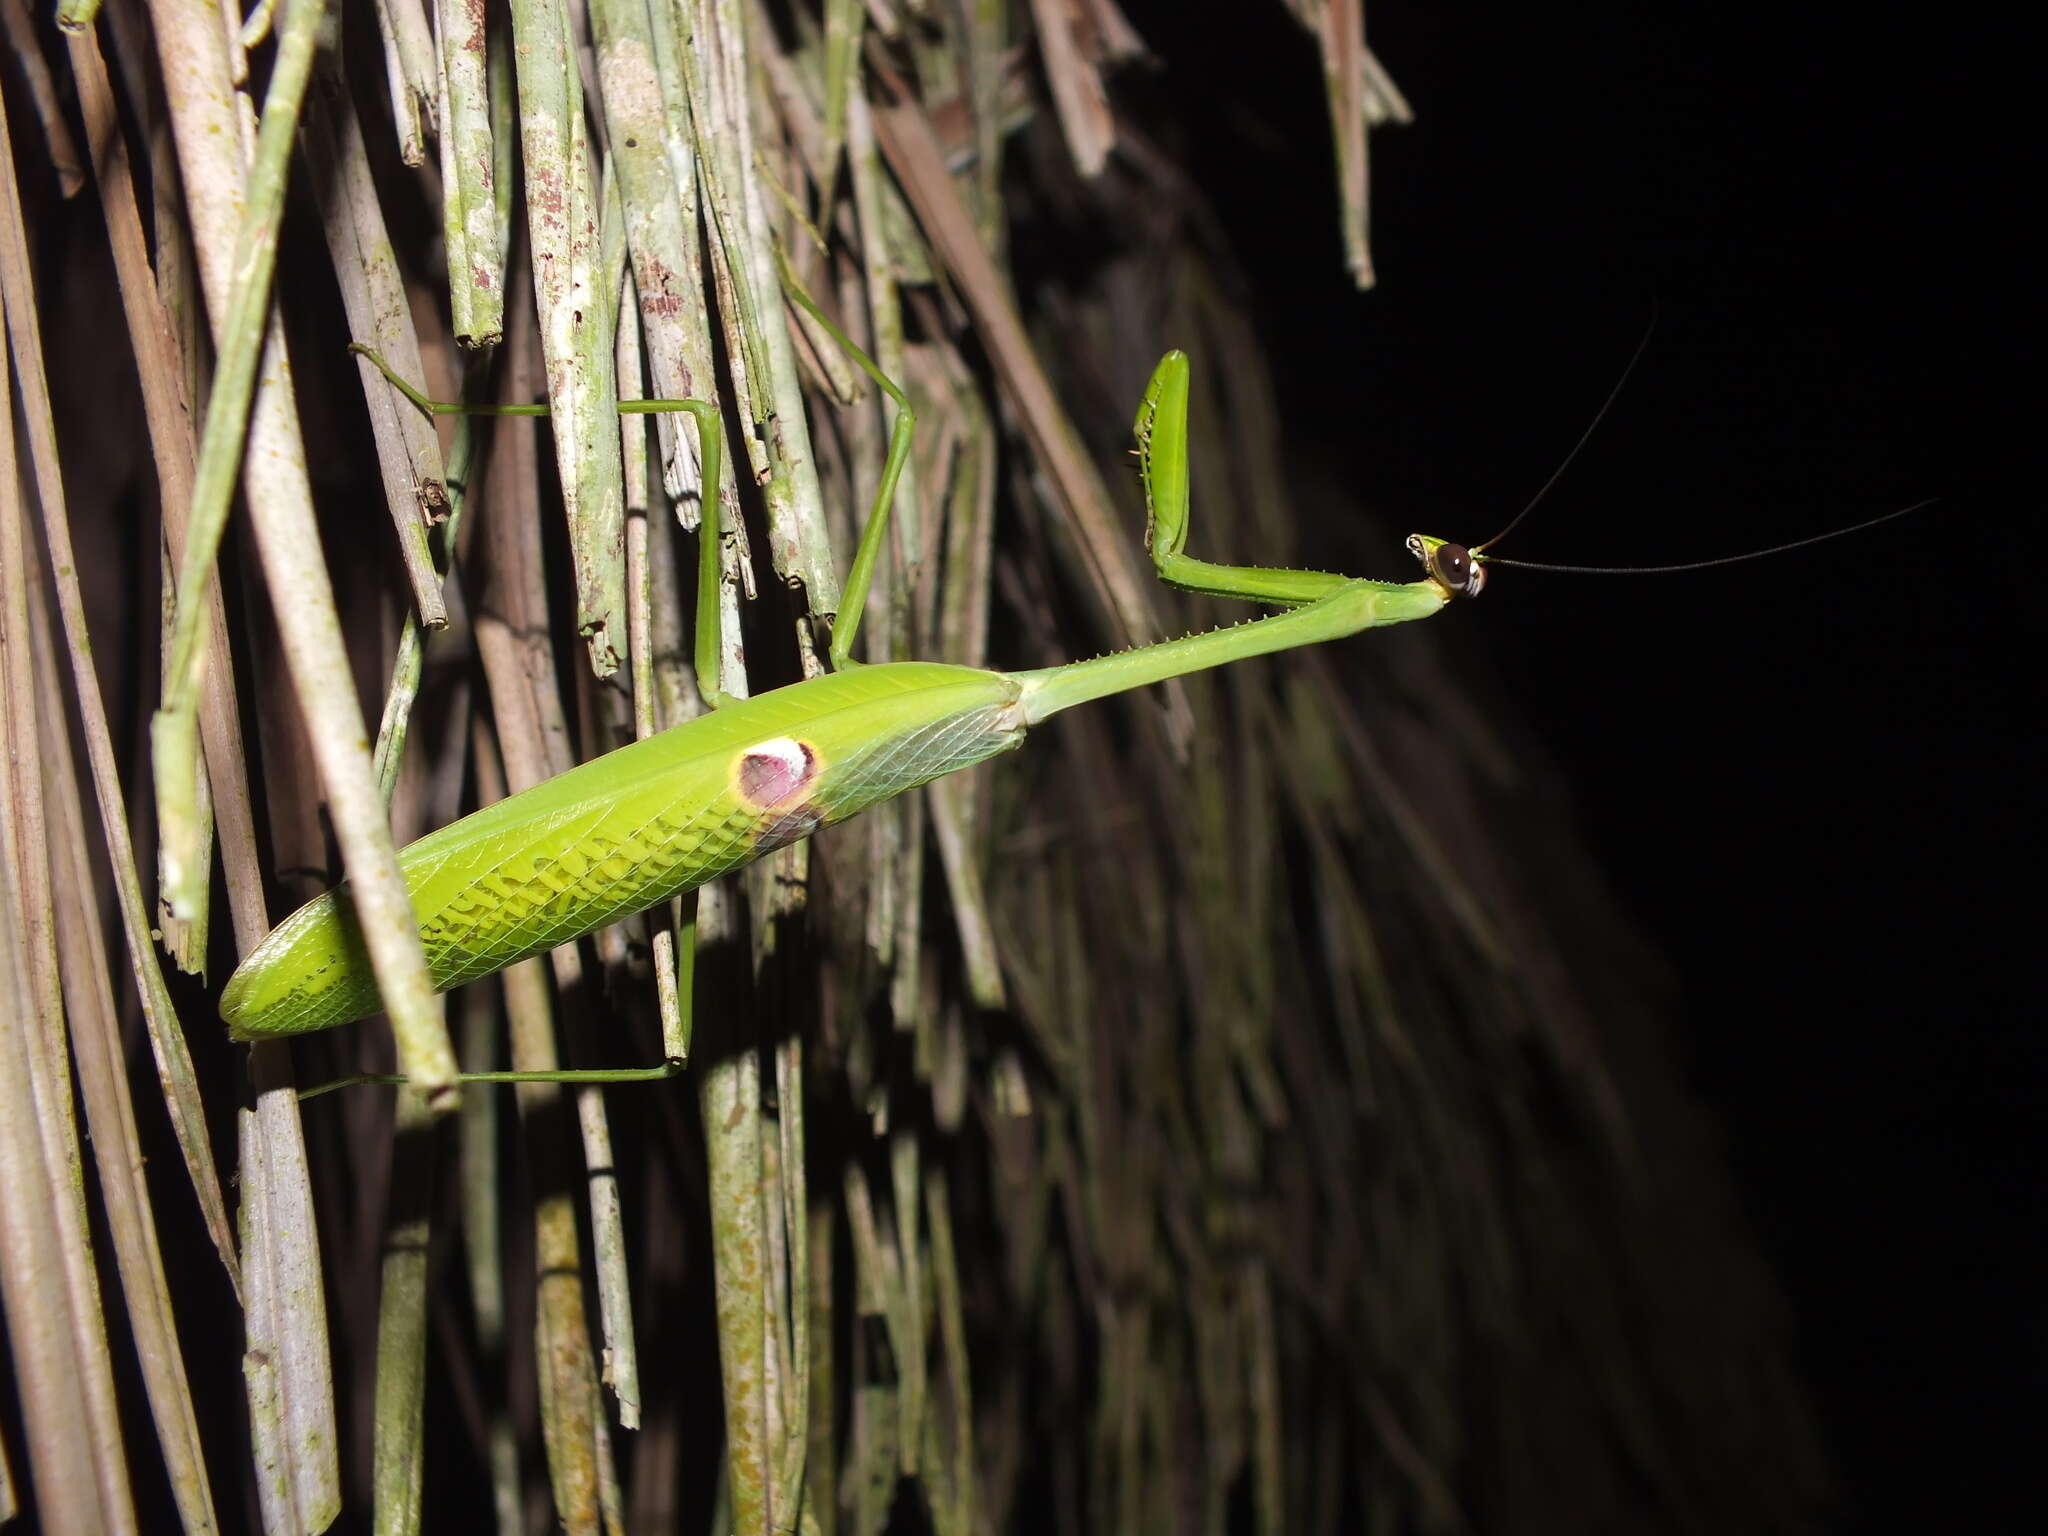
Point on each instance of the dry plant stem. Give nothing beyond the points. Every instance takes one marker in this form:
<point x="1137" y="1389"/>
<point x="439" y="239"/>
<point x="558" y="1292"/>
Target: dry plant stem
<point x="469" y="195"/>
<point x="1341" y="32"/>
<point x="409" y="65"/>
<point x="256" y="28"/>
<point x="717" y="116"/>
<point x="570" y="1406"/>
<point x="184" y="939"/>
<point x="775" y="1338"/>
<point x="482" y="1222"/>
<point x="203" y="115"/>
<point x="953" y="1339"/>
<point x="664" y="227"/>
<point x="1361" y="96"/>
<point x="608" y="1255"/>
<point x="398" y="1448"/>
<point x="985" y="38"/>
<point x="53" y="1320"/>
<point x="821" y="1465"/>
<point x="31" y="915"/>
<point x="19" y="27"/>
<point x="373" y="294"/>
<point x="501" y="87"/>
<point x="167" y="1042"/>
<point x="764" y="363"/>
<point x="1268" y="1424"/>
<point x="117" y="1153"/>
<point x="788" y="96"/>
<point x="288" y="1369"/>
<point x="913" y="1364"/>
<point x="570" y="285"/>
<point x="40" y="1331"/>
<point x="659" y="1450"/>
<point x="845" y="25"/>
<point x="795" y="1226"/>
<point x="174" y="287"/>
<point x="671" y="281"/>
<point x="1077" y="90"/>
<point x="730" y="1094"/>
<point x="877" y="1409"/>
<point x="70" y="1262"/>
<point x="660" y="210"/>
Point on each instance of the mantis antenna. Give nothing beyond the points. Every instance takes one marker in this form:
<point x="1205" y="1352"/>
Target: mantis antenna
<point x="1462" y="568"/>
<point x="1557" y="474"/>
<point x="1700" y="565"/>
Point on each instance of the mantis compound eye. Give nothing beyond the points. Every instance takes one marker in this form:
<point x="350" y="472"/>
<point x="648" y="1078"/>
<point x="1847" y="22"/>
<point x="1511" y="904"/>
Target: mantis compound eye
<point x="1452" y="566"/>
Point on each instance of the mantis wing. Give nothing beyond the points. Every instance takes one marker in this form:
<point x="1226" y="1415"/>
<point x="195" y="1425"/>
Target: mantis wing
<point x="628" y="830"/>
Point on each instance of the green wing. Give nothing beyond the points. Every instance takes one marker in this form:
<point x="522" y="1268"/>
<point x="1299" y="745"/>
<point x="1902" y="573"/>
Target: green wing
<point x="629" y="830"/>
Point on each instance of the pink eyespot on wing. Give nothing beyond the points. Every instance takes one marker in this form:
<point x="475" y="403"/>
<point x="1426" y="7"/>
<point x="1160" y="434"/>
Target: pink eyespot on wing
<point x="775" y="771"/>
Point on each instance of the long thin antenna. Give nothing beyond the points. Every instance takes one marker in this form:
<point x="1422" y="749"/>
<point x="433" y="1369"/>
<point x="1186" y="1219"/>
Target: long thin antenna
<point x="1592" y="426"/>
<point x="1700" y="565"/>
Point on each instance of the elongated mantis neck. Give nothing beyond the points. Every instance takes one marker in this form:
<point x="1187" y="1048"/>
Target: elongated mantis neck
<point x="1351" y="607"/>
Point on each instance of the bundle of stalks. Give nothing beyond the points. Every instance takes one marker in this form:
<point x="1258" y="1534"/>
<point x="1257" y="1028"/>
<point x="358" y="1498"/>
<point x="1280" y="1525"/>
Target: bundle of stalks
<point x="1202" y="1121"/>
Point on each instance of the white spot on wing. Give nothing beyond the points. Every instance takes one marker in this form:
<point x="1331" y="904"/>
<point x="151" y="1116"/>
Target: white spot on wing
<point x="772" y="771"/>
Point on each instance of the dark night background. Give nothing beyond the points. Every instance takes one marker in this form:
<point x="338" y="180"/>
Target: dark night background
<point x="1812" y="779"/>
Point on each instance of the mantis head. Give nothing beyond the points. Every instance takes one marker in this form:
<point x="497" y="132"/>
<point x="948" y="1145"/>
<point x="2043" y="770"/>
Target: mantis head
<point x="1451" y="566"/>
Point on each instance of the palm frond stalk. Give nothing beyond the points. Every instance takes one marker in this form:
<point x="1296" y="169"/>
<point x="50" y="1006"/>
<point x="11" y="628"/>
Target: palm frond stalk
<point x="1195" y="1124"/>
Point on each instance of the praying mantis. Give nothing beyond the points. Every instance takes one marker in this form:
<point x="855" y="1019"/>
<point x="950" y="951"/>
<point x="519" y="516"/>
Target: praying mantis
<point x="660" y="817"/>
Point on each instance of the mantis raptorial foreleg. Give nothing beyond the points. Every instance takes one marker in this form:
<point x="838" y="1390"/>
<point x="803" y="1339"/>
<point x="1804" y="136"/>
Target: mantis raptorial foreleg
<point x="1164" y="465"/>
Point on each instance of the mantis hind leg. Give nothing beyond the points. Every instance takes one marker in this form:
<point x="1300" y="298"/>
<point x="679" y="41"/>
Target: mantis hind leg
<point x="709" y="428"/>
<point x="1162" y="433"/>
<point x="673" y="1067"/>
<point x="710" y="440"/>
<point x="854" y="598"/>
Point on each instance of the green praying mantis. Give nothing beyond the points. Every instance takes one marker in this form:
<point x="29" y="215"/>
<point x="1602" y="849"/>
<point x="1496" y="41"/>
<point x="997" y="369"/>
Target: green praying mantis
<point x="660" y="817"/>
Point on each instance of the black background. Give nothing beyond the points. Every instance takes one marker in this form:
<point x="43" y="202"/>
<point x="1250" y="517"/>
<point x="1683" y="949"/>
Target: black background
<point x="1814" y="779"/>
